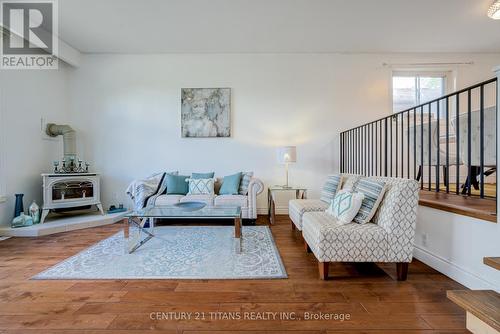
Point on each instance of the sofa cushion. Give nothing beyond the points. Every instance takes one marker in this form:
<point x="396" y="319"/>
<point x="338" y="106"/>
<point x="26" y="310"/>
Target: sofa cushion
<point x="245" y="181"/>
<point x="231" y="200"/>
<point x="209" y="175"/>
<point x="230" y="184"/>
<point x="201" y="187"/>
<point x="333" y="242"/>
<point x="167" y="199"/>
<point x="208" y="199"/>
<point x="176" y="184"/>
<point x="374" y="192"/>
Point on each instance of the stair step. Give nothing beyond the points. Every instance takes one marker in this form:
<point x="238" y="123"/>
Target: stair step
<point x="493" y="262"/>
<point x="483" y="304"/>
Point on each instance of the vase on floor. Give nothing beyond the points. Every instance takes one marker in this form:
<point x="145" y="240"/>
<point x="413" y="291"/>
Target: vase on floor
<point x="34" y="211"/>
<point x="19" y="207"/>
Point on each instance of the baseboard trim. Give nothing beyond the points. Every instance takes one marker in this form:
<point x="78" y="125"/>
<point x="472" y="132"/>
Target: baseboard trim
<point x="457" y="273"/>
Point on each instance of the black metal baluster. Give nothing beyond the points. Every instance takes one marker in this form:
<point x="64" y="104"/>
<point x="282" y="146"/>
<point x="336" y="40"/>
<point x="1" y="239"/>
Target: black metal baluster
<point x="385" y="147"/>
<point x="421" y="168"/>
<point x="402" y="146"/>
<point x="430" y="147"/>
<point x="341" y="154"/>
<point x="481" y="140"/>
<point x="391" y="148"/>
<point x="370" y="130"/>
<point x="447" y="171"/>
<point x="469" y="141"/>
<point x="354" y="133"/>
<point x="438" y="164"/>
<point x="396" y="147"/>
<point x="380" y="125"/>
<point x="457" y="144"/>
<point x="376" y="148"/>
<point x="408" y="144"/>
<point x="415" y="143"/>
<point x="367" y="141"/>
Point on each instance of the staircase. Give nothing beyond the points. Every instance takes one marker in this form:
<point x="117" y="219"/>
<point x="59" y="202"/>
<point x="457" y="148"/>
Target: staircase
<point x="482" y="306"/>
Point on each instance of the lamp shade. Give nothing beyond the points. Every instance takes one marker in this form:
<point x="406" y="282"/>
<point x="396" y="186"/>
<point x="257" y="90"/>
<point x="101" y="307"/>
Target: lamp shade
<point x="494" y="11"/>
<point x="286" y="154"/>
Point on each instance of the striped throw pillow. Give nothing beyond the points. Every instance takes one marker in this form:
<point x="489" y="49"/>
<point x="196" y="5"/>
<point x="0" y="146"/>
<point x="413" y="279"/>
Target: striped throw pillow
<point x="245" y="181"/>
<point x="374" y="192"/>
<point x="332" y="185"/>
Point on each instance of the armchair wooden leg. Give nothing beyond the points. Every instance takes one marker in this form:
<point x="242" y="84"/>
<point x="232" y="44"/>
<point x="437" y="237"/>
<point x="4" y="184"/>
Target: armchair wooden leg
<point x="293" y="227"/>
<point x="402" y="270"/>
<point x="323" y="270"/>
<point x="307" y="248"/>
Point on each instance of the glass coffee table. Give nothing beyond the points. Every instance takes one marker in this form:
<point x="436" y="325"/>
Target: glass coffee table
<point x="139" y="225"/>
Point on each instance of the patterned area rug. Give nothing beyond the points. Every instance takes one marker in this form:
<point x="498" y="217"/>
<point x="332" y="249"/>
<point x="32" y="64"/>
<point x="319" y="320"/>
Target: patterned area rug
<point x="179" y="252"/>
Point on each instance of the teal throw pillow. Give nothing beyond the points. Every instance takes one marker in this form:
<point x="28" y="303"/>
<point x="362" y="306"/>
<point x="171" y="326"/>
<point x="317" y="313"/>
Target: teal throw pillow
<point x="230" y="184"/>
<point x="203" y="175"/>
<point x="177" y="185"/>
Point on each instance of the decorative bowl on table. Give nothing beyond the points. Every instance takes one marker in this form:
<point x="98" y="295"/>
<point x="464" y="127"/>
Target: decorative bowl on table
<point x="191" y="206"/>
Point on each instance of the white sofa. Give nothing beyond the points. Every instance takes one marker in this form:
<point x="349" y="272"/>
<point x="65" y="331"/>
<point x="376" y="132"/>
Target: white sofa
<point x="388" y="237"/>
<point x="248" y="203"/>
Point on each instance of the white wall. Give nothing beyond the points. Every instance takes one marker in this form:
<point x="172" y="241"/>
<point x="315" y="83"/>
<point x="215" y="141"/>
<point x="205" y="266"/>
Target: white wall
<point x="25" y="97"/>
<point x="456" y="245"/>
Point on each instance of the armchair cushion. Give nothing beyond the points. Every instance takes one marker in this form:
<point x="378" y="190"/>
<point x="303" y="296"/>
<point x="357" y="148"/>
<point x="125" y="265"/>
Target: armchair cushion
<point x="297" y="208"/>
<point x="374" y="192"/>
<point x="331" y="241"/>
<point x="345" y="206"/>
<point x="330" y="188"/>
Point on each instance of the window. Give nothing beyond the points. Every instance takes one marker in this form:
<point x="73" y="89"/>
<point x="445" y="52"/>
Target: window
<point x="412" y="89"/>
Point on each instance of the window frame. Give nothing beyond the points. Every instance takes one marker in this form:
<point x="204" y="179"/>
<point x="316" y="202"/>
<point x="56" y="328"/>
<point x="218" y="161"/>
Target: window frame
<point x="417" y="73"/>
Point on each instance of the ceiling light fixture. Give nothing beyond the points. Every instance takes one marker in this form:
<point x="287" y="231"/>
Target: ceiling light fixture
<point x="494" y="11"/>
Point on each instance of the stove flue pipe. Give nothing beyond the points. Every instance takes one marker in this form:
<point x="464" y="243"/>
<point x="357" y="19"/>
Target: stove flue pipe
<point x="69" y="138"/>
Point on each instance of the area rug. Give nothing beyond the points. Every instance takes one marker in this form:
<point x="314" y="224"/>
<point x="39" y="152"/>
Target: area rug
<point x="178" y="252"/>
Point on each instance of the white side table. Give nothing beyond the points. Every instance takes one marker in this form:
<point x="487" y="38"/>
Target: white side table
<point x="300" y="193"/>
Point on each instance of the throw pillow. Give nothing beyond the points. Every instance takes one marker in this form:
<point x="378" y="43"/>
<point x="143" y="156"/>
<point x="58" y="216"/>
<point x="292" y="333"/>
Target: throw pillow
<point x="245" y="181"/>
<point x="209" y="175"/>
<point x="177" y="185"/>
<point x="374" y="192"/>
<point x="201" y="186"/>
<point x="345" y="206"/>
<point x="331" y="187"/>
<point x="230" y="184"/>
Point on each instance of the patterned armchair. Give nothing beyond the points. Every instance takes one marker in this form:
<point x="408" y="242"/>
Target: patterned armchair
<point x="387" y="238"/>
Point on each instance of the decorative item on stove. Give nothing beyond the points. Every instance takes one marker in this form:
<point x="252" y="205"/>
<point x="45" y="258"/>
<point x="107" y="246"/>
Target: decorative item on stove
<point x="19" y="207"/>
<point x="71" y="165"/>
<point x="34" y="211"/>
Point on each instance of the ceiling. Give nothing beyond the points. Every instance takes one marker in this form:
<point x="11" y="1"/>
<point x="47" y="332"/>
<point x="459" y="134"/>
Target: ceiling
<point x="278" y="26"/>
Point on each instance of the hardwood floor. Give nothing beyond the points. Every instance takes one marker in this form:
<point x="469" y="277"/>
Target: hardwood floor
<point x="369" y="294"/>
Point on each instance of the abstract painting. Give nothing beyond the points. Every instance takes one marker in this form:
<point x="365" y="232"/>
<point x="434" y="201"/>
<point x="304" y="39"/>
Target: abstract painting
<point x="205" y="112"/>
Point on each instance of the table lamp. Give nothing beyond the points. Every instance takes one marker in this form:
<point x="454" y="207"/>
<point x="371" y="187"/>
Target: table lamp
<point x="286" y="155"/>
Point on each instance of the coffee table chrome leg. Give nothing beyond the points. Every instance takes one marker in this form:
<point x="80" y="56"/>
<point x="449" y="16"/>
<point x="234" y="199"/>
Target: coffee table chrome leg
<point x="140" y="228"/>
<point x="237" y="234"/>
